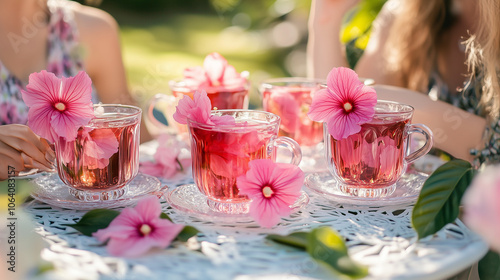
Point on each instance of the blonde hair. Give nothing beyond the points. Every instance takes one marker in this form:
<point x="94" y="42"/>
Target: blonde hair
<point x="484" y="55"/>
<point x="413" y="43"/>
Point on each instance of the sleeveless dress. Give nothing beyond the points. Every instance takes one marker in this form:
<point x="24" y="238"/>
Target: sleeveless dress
<point x="468" y="100"/>
<point x="64" y="58"/>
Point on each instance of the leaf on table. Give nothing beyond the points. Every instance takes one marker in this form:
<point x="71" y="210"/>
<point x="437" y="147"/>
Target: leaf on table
<point x="439" y="200"/>
<point x="327" y="247"/>
<point x="94" y="220"/>
<point x="296" y="239"/>
<point x="186" y="233"/>
<point x="165" y="216"/>
<point x="489" y="266"/>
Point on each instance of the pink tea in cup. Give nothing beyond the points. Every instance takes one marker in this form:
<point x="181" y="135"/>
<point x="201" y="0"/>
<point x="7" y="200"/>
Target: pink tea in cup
<point x="104" y="156"/>
<point x="290" y="98"/>
<point x="370" y="162"/>
<point x="221" y="153"/>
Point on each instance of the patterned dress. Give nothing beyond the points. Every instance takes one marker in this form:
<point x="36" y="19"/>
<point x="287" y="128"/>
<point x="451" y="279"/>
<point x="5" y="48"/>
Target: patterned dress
<point x="64" y="57"/>
<point x="468" y="100"/>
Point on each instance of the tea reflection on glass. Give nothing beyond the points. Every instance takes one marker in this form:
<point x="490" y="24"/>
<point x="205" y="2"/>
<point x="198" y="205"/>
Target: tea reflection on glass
<point x="104" y="156"/>
<point x="290" y="98"/>
<point x="220" y="154"/>
<point x="369" y="163"/>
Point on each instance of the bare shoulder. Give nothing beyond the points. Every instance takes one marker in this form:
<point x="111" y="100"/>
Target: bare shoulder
<point x="94" y="22"/>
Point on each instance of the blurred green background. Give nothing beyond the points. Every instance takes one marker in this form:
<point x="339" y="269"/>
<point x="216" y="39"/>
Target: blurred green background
<point x="160" y="38"/>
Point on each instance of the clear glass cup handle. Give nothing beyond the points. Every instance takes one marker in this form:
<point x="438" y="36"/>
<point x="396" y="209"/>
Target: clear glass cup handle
<point x="168" y="103"/>
<point x="288" y="144"/>
<point x="427" y="133"/>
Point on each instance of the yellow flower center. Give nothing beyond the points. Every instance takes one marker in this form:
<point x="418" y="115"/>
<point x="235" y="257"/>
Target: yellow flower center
<point x="267" y="191"/>
<point x="145" y="229"/>
<point x="347" y="107"/>
<point x="60" y="106"/>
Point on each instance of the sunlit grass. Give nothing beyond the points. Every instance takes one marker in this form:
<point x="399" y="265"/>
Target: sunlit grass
<point x="158" y="47"/>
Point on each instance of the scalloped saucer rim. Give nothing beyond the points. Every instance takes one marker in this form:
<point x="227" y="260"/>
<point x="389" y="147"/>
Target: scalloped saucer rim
<point x="65" y="200"/>
<point x="406" y="192"/>
<point x="201" y="210"/>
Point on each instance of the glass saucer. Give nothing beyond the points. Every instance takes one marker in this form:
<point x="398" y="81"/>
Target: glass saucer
<point x="51" y="190"/>
<point x="31" y="174"/>
<point x="188" y="199"/>
<point x="407" y="190"/>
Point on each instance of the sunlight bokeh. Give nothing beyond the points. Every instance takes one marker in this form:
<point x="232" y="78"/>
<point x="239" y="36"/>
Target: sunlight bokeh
<point x="267" y="38"/>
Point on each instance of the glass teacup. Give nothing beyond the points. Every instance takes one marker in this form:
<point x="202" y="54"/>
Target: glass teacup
<point x="104" y="157"/>
<point x="290" y="98"/>
<point x="370" y="162"/>
<point x="162" y="106"/>
<point x="221" y="153"/>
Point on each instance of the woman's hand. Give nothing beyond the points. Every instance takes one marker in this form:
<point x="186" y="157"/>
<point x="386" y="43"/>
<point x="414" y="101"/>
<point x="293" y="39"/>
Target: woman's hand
<point x="22" y="149"/>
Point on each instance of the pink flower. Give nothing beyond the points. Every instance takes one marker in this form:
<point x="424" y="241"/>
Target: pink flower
<point x="198" y="109"/>
<point x="273" y="188"/>
<point x="100" y="145"/>
<point x="482" y="205"/>
<point x="169" y="159"/>
<point x="345" y="104"/>
<point x="216" y="74"/>
<point x="283" y="104"/>
<point x="58" y="107"/>
<point x="136" y="230"/>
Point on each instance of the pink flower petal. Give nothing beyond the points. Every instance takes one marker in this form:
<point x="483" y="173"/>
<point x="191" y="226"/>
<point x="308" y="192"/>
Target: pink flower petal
<point x="482" y="207"/>
<point x="128" y="217"/>
<point x="222" y="120"/>
<point x="343" y="81"/>
<point x="39" y="121"/>
<point x="152" y="168"/>
<point x="323" y="105"/>
<point x="77" y="92"/>
<point x="66" y="126"/>
<point x="215" y="65"/>
<point x="285" y="181"/>
<point x="196" y="77"/>
<point x="340" y="126"/>
<point x="345" y="104"/>
<point x="149" y="208"/>
<point x="262" y="211"/>
<point x="102" y="143"/>
<point x="233" y="80"/>
<point x="43" y="89"/>
<point x="125" y="235"/>
<point x="197" y="109"/>
<point x="284" y="104"/>
<point x="165" y="231"/>
<point x="130" y="247"/>
<point x="183" y="109"/>
<point x="115" y="232"/>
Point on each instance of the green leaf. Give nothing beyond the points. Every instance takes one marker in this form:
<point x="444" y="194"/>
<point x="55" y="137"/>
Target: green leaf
<point x="94" y="220"/>
<point x="489" y="266"/>
<point x="327" y="247"/>
<point x="165" y="216"/>
<point x="439" y="200"/>
<point x="296" y="239"/>
<point x="186" y="233"/>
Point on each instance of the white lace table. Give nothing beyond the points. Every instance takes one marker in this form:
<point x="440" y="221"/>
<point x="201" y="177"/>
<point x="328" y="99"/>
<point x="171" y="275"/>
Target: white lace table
<point x="380" y="237"/>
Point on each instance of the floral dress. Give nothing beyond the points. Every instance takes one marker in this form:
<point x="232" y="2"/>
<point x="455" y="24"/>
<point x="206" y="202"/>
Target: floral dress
<point x="64" y="59"/>
<point x="468" y="100"/>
